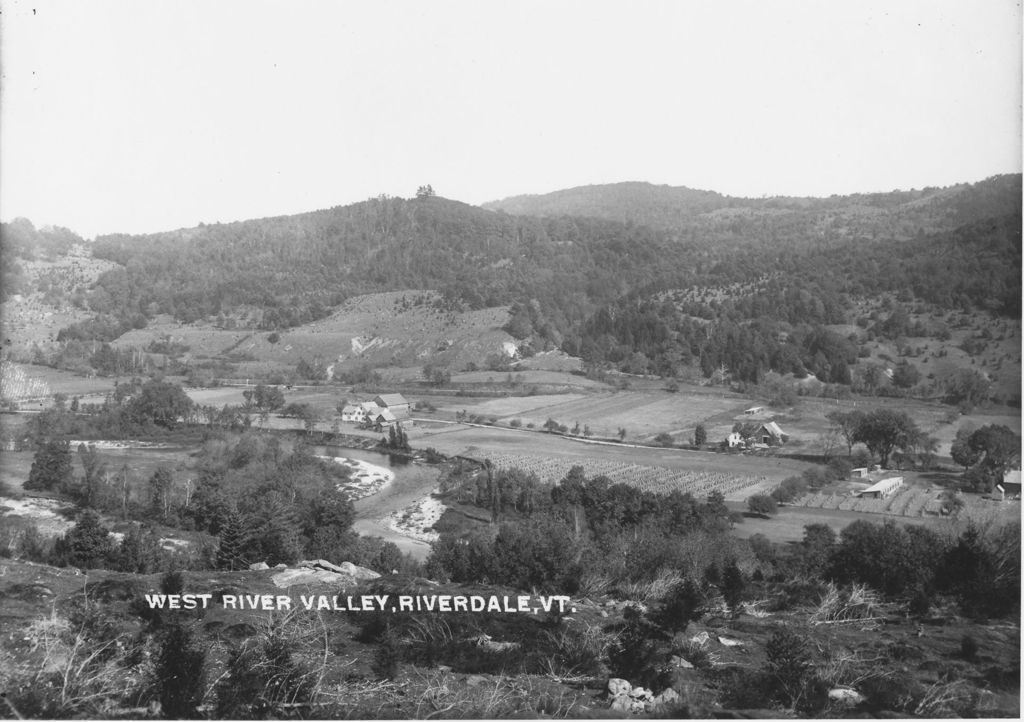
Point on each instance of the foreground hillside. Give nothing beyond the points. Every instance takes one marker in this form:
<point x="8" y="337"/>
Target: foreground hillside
<point x="99" y="651"/>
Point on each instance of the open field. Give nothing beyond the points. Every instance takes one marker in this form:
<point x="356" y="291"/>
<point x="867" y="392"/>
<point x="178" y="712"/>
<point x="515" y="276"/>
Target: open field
<point x="787" y="526"/>
<point x="560" y="452"/>
<point x="527" y="376"/>
<point x="643" y="414"/>
<point x="401" y="328"/>
<point x="65" y="382"/>
<point x="655" y="479"/>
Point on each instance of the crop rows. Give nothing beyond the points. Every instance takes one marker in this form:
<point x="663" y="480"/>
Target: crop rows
<point x="646" y="478"/>
<point x="15" y="384"/>
<point x="907" y="501"/>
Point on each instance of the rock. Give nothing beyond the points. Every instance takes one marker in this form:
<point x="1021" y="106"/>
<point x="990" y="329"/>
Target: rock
<point x="259" y="567"/>
<point x="618" y="687"/>
<point x="667" y="697"/>
<point x="701" y="638"/>
<point x="321" y="571"/>
<point x="475" y="680"/>
<point x="281" y="566"/>
<point x="680" y="662"/>
<point x="640" y="693"/>
<point x="636" y="707"/>
<point x="845" y="695"/>
<point x="443" y="668"/>
<point x="726" y="642"/>
<point x="622" y="704"/>
<point x="292" y="577"/>
<point x="604" y="613"/>
<point x="359" y="573"/>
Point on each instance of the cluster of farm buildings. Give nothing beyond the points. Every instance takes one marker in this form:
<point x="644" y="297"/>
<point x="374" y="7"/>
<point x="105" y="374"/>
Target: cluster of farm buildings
<point x="381" y="413"/>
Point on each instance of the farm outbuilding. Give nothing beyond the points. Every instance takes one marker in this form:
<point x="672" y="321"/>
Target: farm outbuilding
<point x="384" y="420"/>
<point x="395" y="403"/>
<point x="883" y="488"/>
<point x="1011" y="481"/>
<point x="771" y="434"/>
<point x="754" y="410"/>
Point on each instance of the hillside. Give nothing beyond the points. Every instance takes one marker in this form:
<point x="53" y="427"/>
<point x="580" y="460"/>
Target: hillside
<point x="405" y="329"/>
<point x="777" y="221"/>
<point x="672" y="282"/>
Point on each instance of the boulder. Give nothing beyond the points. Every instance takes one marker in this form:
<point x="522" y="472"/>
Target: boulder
<point x="667" y="697"/>
<point x="359" y="573"/>
<point x="845" y="695"/>
<point x="640" y="693"/>
<point x="701" y="638"/>
<point x="321" y="571"/>
<point x="259" y="567"/>
<point x="619" y="687"/>
<point x="680" y="662"/>
<point x="726" y="642"/>
<point x="622" y="703"/>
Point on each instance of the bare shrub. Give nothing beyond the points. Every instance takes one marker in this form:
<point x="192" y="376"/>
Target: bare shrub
<point x="838" y="606"/>
<point x="281" y="666"/>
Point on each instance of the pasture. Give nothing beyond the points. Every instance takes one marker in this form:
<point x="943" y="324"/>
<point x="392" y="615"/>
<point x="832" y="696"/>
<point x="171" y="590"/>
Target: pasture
<point x="401" y="329"/>
<point x="787" y="526"/>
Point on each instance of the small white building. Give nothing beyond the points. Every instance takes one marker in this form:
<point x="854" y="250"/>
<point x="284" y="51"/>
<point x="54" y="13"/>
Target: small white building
<point x="753" y="410"/>
<point x="734" y="440"/>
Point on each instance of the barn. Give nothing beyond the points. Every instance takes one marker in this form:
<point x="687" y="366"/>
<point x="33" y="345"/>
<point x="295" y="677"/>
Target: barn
<point x="395" y="403"/>
<point x="771" y="434"/>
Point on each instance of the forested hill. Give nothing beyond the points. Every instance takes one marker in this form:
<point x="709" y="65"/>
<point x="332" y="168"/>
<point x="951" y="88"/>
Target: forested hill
<point x="294" y="268"/>
<point x="613" y="291"/>
<point x="706" y="216"/>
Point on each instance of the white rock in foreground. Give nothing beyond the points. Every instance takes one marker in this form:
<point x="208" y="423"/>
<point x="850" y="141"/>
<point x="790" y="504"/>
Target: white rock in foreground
<point x="321" y="571"/>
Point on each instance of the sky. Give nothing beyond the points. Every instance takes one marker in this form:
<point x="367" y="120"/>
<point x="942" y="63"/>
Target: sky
<point x="145" y="116"/>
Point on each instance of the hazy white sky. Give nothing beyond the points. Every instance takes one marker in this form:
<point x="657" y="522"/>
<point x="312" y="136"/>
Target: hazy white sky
<point x="144" y="116"/>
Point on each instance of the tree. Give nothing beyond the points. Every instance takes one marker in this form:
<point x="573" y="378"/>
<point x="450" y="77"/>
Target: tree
<point x="816" y="547"/>
<point x="87" y="544"/>
<point x="160" y="403"/>
<point x="233" y="539"/>
<point x="700" y="435"/>
<point x="883" y="430"/>
<point x="966" y="388"/>
<point x="961" y="450"/>
<point x="762" y="504"/>
<point x="847" y="423"/>
<point x="161" y="484"/>
<point x="95" y="472"/>
<point x="51" y="466"/>
<point x="179" y="673"/>
<point x="733" y="586"/>
<point x="905" y="375"/>
<point x="426" y="191"/>
<point x="996" y="447"/>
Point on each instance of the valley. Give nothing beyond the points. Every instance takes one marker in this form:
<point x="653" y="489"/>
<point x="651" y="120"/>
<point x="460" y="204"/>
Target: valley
<point x="679" y="424"/>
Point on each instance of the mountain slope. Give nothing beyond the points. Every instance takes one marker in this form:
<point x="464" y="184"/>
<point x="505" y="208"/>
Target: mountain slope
<point x="792" y="222"/>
